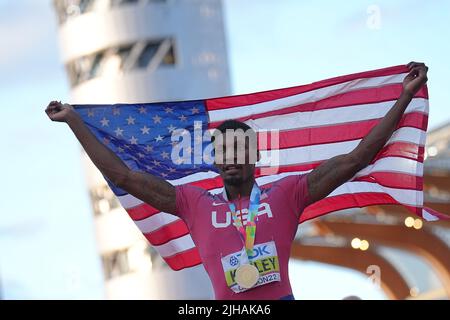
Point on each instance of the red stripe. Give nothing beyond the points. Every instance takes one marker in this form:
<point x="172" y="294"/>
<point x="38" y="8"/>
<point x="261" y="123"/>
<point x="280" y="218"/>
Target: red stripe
<point x="405" y="150"/>
<point x="333" y="133"/>
<point x="253" y="98"/>
<point x="141" y="211"/>
<point x="168" y="232"/>
<point x="347" y="201"/>
<point x="394" y="180"/>
<point x="185" y="259"/>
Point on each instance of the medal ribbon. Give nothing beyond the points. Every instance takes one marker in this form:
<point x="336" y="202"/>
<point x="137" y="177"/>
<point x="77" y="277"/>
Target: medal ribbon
<point x="248" y="232"/>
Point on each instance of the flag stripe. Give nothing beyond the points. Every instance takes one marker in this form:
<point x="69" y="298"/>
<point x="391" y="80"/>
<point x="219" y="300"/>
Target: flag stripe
<point x="348" y="201"/>
<point x="174" y="246"/>
<point x="393" y="180"/>
<point x="185" y="259"/>
<point x="330" y="134"/>
<point x="315" y="95"/>
<point x="308" y="154"/>
<point x="321" y="118"/>
<point x="165" y="233"/>
<point x="260" y="97"/>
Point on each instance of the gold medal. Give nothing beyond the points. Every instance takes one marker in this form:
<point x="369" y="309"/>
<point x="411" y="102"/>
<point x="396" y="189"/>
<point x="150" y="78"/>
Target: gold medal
<point x="247" y="276"/>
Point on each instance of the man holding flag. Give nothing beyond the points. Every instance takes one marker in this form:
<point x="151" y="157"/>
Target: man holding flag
<point x="243" y="234"/>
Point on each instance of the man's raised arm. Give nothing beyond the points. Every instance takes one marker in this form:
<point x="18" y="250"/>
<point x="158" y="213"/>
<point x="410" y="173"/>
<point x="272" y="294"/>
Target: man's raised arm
<point x="334" y="172"/>
<point x="148" y="188"/>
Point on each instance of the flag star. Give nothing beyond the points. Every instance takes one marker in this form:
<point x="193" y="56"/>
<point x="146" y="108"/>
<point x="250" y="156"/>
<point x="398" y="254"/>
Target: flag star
<point x="168" y="110"/>
<point x="116" y="111"/>
<point x="182" y="117"/>
<point x="156" y="119"/>
<point x="142" y="110"/>
<point x="165" y="155"/>
<point x="164" y="175"/>
<point x="104" y="122"/>
<point x="156" y="163"/>
<point x="120" y="149"/>
<point x="172" y="170"/>
<point x="90" y="113"/>
<point x="159" y="138"/>
<point x="195" y="110"/>
<point x="148" y="148"/>
<point x="130" y="120"/>
<point x="171" y="128"/>
<point x="133" y="140"/>
<point x="149" y="168"/>
<point x="145" y="130"/>
<point x="140" y="155"/>
<point x="118" y="132"/>
<point x="197" y="125"/>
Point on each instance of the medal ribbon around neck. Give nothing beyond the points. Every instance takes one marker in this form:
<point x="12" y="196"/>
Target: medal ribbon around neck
<point x="249" y="232"/>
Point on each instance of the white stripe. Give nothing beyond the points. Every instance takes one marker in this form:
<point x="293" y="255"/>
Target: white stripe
<point x="404" y="196"/>
<point x="310" y="119"/>
<point x="428" y="216"/>
<point x="155" y="222"/>
<point x="175" y="246"/>
<point x="308" y="154"/>
<point x="309" y="96"/>
<point x="128" y="201"/>
<point x="395" y="165"/>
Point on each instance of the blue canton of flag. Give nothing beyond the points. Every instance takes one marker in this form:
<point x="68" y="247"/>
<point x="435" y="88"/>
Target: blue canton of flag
<point x="141" y="135"/>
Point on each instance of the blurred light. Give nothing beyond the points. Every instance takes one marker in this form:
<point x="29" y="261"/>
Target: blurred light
<point x="414" y="292"/>
<point x="356" y="243"/>
<point x="409" y="222"/>
<point x="364" y="245"/>
<point x="418" y="224"/>
<point x="103" y="206"/>
<point x="432" y="151"/>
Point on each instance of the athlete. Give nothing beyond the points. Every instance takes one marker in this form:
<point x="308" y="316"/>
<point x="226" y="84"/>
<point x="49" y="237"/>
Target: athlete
<point x="243" y="235"/>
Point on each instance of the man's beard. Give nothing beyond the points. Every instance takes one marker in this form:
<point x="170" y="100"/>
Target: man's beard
<point x="234" y="181"/>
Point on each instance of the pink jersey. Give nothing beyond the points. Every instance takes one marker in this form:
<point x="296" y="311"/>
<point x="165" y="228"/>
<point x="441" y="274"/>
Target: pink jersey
<point x="208" y="218"/>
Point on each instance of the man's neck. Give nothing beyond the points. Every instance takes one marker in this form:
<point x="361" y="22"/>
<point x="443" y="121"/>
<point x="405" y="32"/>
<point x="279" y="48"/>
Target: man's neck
<point x="242" y="190"/>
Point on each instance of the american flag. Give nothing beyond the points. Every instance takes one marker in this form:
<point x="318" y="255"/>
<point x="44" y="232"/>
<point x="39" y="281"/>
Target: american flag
<point x="315" y="122"/>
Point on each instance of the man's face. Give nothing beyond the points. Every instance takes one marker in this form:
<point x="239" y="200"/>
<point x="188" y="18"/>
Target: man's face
<point x="235" y="158"/>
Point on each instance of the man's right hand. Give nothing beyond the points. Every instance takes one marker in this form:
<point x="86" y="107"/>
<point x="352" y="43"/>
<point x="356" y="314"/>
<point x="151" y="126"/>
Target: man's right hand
<point x="57" y="111"/>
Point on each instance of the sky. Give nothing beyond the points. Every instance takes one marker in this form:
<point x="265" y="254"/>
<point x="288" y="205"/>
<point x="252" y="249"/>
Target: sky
<point x="47" y="243"/>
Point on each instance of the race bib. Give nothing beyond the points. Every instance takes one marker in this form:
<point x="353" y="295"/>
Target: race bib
<point x="264" y="258"/>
